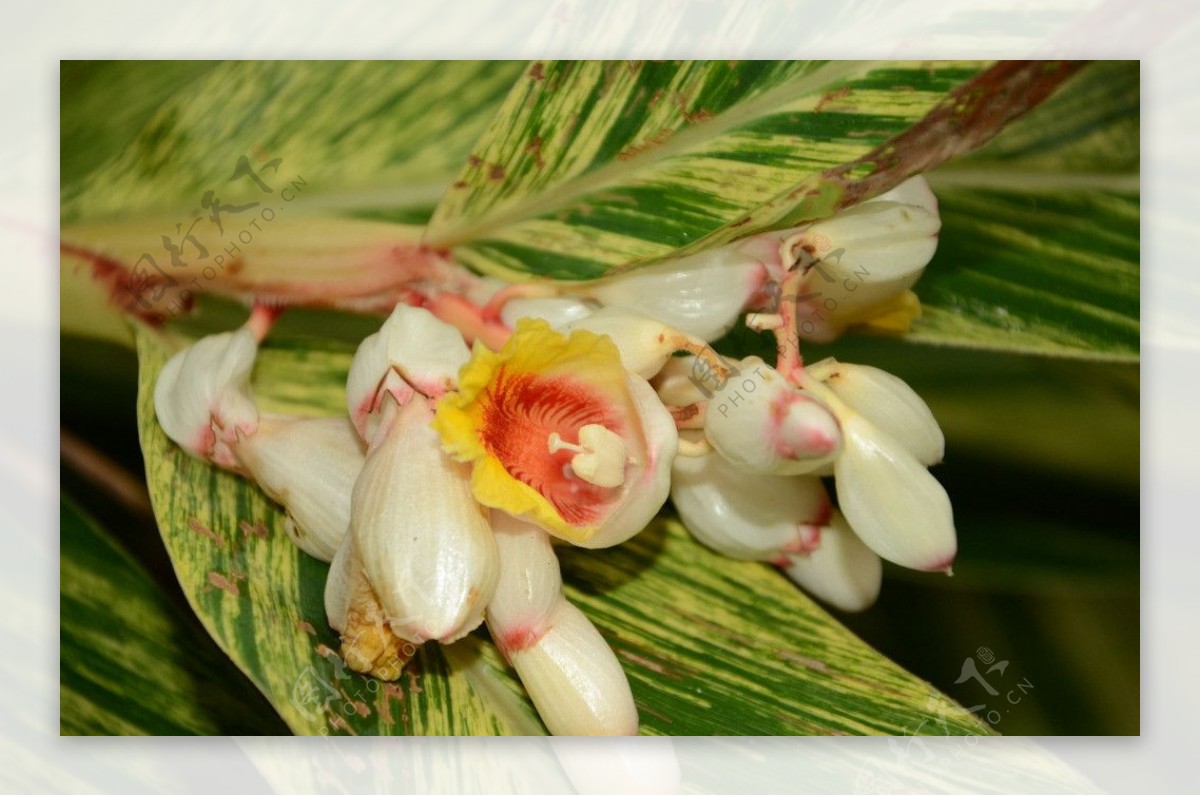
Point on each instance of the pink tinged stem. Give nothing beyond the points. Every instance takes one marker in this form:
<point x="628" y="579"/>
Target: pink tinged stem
<point x="358" y="270"/>
<point x="262" y="318"/>
<point x="787" y="337"/>
<point x="470" y="319"/>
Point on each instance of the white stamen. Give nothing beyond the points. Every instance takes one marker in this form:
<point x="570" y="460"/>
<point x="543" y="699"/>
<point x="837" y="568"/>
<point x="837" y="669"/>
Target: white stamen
<point x="761" y="322"/>
<point x="556" y="443"/>
<point x="600" y="455"/>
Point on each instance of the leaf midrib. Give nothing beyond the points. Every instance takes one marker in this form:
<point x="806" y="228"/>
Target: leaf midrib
<point x="565" y="193"/>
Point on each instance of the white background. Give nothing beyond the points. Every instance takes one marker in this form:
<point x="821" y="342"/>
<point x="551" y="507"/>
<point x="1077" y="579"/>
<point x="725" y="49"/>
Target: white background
<point x="36" y="35"/>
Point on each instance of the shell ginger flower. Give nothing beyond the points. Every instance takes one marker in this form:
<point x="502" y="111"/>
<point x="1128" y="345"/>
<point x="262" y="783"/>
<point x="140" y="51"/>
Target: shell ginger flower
<point x="560" y="434"/>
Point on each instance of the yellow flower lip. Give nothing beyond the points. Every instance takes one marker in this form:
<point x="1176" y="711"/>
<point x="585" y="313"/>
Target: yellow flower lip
<point x="519" y="416"/>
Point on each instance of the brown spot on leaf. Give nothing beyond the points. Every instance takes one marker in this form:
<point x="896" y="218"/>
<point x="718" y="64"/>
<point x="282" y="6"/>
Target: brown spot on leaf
<point x="647" y="663"/>
<point x="808" y="663"/>
<point x="537" y="71"/>
<point x="496" y="172"/>
<point x="384" y="705"/>
<point x="257" y="529"/>
<point x="534" y="147"/>
<point x="224" y="584"/>
<point x="474" y="161"/>
<point x="664" y="718"/>
<point x="830" y="97"/>
<point x="338" y="723"/>
<point x="655" y="141"/>
<point x="867" y="133"/>
<point x="967" y="118"/>
<point x="195" y="526"/>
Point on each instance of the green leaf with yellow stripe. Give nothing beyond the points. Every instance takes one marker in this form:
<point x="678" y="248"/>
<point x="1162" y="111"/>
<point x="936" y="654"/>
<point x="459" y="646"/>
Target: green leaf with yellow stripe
<point x="594" y="166"/>
<point x="1040" y="246"/>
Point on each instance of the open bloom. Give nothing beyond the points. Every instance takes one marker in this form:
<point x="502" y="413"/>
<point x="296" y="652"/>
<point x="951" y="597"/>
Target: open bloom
<point x="559" y="433"/>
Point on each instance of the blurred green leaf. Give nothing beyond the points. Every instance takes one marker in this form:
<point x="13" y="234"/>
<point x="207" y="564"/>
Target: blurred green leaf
<point x="128" y="664"/>
<point x="371" y="136"/>
<point x="103" y="105"/>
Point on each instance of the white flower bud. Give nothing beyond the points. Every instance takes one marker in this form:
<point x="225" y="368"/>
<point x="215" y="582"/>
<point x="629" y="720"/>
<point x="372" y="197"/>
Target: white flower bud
<point x="747" y="516"/>
<point x="888" y="403"/>
<point x="763" y="424"/>
<point x="913" y="191"/>
<point x="840" y="569"/>
<point x="701" y="294"/>
<point x="645" y="344"/>
<point x="556" y="311"/>
<point x="425" y="353"/>
<point x="573" y="677"/>
<point x="860" y="262"/>
<point x="202" y="397"/>
<point x="309" y="466"/>
<point x="571" y="674"/>
<point x="530" y="584"/>
<point x="891" y="501"/>
<point x="425" y="544"/>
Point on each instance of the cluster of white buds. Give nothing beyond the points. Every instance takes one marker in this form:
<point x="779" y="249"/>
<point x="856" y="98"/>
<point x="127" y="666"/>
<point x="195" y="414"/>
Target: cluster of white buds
<point x="757" y="439"/>
<point x="438" y="497"/>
